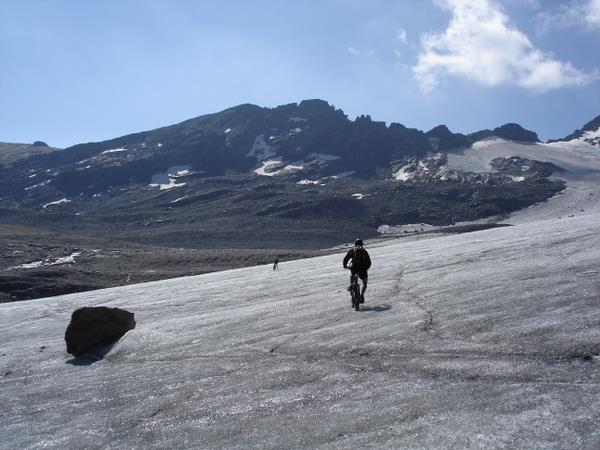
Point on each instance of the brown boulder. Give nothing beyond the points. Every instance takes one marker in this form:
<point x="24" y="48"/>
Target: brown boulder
<point x="91" y="326"/>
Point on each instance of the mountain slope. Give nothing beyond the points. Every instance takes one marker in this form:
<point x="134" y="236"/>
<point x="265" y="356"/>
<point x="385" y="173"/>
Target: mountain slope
<point x="10" y="152"/>
<point x="304" y="151"/>
<point x="580" y="161"/>
<point x="449" y="352"/>
<point x="589" y="133"/>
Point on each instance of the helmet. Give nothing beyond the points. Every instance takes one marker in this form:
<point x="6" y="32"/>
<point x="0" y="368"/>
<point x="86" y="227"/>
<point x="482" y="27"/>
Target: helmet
<point x="358" y="242"/>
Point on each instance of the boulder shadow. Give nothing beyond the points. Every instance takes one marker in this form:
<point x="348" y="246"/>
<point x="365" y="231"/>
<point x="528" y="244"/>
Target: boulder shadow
<point x="377" y="308"/>
<point x="94" y="355"/>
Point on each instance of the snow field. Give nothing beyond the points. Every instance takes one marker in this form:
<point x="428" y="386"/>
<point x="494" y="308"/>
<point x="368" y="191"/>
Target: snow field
<point x="473" y="340"/>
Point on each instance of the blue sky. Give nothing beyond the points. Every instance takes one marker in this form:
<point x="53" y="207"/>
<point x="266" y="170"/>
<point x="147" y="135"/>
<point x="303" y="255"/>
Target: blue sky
<point x="80" y="71"/>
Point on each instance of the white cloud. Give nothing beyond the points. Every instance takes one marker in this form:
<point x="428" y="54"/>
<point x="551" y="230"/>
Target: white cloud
<point x="401" y="35"/>
<point x="583" y="14"/>
<point x="593" y="13"/>
<point x="481" y="45"/>
<point x="368" y="53"/>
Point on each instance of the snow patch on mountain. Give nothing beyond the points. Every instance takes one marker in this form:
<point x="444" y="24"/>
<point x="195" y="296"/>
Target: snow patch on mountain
<point x="43" y="183"/>
<point x="434" y="166"/>
<point x="342" y="175"/>
<point x="31" y="265"/>
<point x="57" y="202"/>
<point x="403" y="174"/>
<point x="406" y="228"/>
<point x="308" y="182"/>
<point x="278" y="167"/>
<point x="588" y="138"/>
<point x="489" y="141"/>
<point x="164" y="184"/>
<point x="65" y="259"/>
<point x="70" y="259"/>
<point x="168" y="180"/>
<point x="297" y="119"/>
<point x="577" y="157"/>
<point x="113" y="150"/>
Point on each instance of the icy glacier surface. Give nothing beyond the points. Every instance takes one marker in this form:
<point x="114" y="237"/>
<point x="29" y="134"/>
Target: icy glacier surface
<point x="481" y="340"/>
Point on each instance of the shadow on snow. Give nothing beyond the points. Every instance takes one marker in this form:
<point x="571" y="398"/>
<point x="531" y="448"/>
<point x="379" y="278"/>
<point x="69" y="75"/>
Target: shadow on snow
<point x="94" y="355"/>
<point x="378" y="308"/>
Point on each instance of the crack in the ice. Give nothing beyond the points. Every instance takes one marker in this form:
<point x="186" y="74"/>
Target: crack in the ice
<point x="428" y="324"/>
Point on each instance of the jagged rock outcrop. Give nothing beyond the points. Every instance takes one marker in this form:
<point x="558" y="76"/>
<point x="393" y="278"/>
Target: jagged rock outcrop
<point x="92" y="326"/>
<point x="443" y="140"/>
<point x="506" y="170"/>
<point x="517" y="166"/>
<point x="508" y="131"/>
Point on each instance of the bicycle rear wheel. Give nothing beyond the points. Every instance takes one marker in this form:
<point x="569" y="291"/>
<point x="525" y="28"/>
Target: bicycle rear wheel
<point x="355" y="296"/>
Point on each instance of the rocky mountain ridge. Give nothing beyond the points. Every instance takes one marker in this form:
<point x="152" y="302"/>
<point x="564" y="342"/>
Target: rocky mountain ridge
<point x="589" y="133"/>
<point x="277" y="141"/>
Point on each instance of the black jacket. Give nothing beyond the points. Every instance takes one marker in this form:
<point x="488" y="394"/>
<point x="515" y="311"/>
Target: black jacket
<point x="359" y="264"/>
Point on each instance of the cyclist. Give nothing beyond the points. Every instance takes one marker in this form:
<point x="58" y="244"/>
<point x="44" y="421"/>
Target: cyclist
<point x="361" y="262"/>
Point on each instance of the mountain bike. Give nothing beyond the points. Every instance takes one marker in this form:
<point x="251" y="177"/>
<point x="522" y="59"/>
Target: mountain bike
<point x="355" y="292"/>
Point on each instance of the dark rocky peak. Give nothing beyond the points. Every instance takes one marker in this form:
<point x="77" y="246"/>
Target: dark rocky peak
<point x="244" y="108"/>
<point x="515" y="132"/>
<point x="365" y="122"/>
<point x="304" y="112"/>
<point x="39" y="144"/>
<point x="443" y="140"/>
<point x="440" y="131"/>
<point x="315" y="106"/>
<point x="508" y="131"/>
<point x="408" y="141"/>
<point x="592" y="125"/>
<point x="217" y="122"/>
<point x="480" y="135"/>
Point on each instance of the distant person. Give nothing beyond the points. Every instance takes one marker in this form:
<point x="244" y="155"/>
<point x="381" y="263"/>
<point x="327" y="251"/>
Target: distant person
<point x="275" y="263"/>
<point x="360" y="264"/>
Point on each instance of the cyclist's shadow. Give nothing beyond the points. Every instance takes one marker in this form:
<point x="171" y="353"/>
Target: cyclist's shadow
<point x="377" y="308"/>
